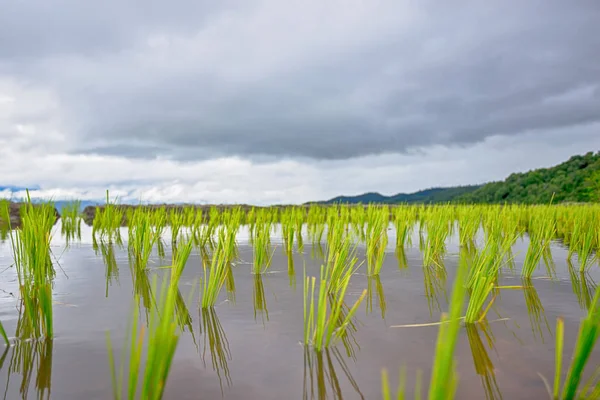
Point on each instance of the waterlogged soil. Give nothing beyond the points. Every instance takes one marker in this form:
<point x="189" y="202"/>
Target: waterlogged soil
<point x="250" y="346"/>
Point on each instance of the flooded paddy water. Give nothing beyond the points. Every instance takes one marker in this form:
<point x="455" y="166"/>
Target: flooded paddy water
<point x="249" y="346"/>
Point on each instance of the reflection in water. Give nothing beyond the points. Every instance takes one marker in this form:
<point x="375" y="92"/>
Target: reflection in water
<point x="348" y="339"/>
<point x="402" y="259"/>
<point x="29" y="356"/>
<point x="110" y="263"/>
<point x="549" y="261"/>
<point x="321" y="377"/>
<point x="230" y="284"/>
<point x="142" y="289"/>
<point x="205" y="254"/>
<point x="583" y="286"/>
<point x="434" y="280"/>
<point x="291" y="270"/>
<point x="160" y="246"/>
<point x="215" y="341"/>
<point x="71" y="232"/>
<point x="509" y="258"/>
<point x="299" y="239"/>
<point x="375" y="281"/>
<point x="483" y="364"/>
<point x="317" y="252"/>
<point x="535" y="310"/>
<point x="183" y="316"/>
<point x="260" y="300"/>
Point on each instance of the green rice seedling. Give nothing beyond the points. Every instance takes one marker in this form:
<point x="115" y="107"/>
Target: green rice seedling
<point x="320" y="373"/>
<point x="33" y="241"/>
<point x="509" y="232"/>
<point x="3" y="230"/>
<point x="227" y="238"/>
<point x="376" y="238"/>
<point x="288" y="228"/>
<point x="444" y="378"/>
<point x="216" y="343"/>
<point x="469" y="222"/>
<point x="596" y="229"/>
<point x="438" y="229"/>
<point x="573" y="238"/>
<point x="316" y="220"/>
<point x="541" y="231"/>
<point x="188" y="216"/>
<point x="71" y="221"/>
<point x="348" y="336"/>
<point x="549" y="262"/>
<point x="214" y="281"/>
<point x="179" y="260"/>
<point x="214" y="216"/>
<point x="159" y="219"/>
<point x="320" y="326"/>
<point x="32" y="259"/>
<point x="298" y="218"/>
<point x="341" y="261"/>
<point x="202" y="233"/>
<point x="108" y="220"/>
<point x="142" y="237"/>
<point x="404" y="221"/>
<point x="4" y="335"/>
<point x="482" y="281"/>
<point x="589" y="331"/>
<point x="5" y="211"/>
<point x="357" y="217"/>
<point x="262" y="247"/>
<point x="585" y="235"/>
<point x="162" y="339"/>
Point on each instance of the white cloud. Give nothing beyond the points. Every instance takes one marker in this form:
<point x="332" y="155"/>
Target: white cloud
<point x="236" y="180"/>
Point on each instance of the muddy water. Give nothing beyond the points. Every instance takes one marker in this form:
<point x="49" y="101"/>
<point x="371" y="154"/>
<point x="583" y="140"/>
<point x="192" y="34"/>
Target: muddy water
<point x="249" y="346"/>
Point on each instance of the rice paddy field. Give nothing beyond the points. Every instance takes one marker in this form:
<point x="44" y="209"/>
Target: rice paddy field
<point x="315" y="302"/>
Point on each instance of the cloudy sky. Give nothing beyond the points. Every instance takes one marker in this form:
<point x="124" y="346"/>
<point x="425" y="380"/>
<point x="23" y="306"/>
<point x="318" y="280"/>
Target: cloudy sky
<point x="275" y="101"/>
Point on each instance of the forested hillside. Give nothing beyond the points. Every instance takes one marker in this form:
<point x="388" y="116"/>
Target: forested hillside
<point x="433" y="195"/>
<point x="575" y="180"/>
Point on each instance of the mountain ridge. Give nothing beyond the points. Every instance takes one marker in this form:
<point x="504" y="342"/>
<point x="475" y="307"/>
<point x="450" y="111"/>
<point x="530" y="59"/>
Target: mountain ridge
<point x="574" y="180"/>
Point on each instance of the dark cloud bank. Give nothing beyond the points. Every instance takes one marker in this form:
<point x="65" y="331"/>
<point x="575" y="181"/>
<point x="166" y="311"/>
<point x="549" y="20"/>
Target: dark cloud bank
<point x="194" y="80"/>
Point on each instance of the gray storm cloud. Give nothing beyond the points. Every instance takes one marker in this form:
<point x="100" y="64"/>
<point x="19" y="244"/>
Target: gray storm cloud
<point x="320" y="80"/>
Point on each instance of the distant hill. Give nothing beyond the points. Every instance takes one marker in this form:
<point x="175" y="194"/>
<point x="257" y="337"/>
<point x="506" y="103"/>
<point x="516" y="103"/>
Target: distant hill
<point x="575" y="180"/>
<point x="433" y="195"/>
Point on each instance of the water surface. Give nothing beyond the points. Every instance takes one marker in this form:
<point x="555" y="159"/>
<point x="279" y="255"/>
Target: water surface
<point x="249" y="346"/>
